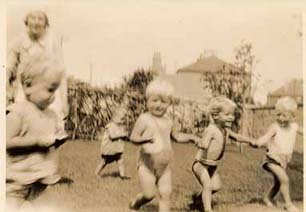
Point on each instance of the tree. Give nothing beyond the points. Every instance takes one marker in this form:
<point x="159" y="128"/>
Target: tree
<point x="245" y="60"/>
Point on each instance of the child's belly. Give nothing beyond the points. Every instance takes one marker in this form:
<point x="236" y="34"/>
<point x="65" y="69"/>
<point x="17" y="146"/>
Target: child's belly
<point x="159" y="145"/>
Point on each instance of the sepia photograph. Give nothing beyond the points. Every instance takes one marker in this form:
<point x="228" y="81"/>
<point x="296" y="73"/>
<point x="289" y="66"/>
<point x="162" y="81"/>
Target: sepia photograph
<point x="152" y="105"/>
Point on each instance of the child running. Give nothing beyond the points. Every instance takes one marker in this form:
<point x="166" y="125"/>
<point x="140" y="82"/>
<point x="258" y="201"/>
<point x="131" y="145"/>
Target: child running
<point x="153" y="131"/>
<point x="112" y="143"/>
<point x="32" y="133"/>
<point x="212" y="147"/>
<point x="280" y="139"/>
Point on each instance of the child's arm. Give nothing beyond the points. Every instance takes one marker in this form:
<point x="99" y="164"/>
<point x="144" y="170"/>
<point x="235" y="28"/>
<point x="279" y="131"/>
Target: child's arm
<point x="180" y="137"/>
<point x="140" y="133"/>
<point x="16" y="141"/>
<point x="267" y="137"/>
<point x="206" y="139"/>
<point x="240" y="138"/>
<point x="116" y="132"/>
<point x="300" y="130"/>
<point x="13" y="129"/>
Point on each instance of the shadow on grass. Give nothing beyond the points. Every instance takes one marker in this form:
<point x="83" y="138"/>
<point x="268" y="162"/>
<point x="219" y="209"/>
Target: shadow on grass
<point x="110" y="174"/>
<point x="150" y="207"/>
<point x="196" y="204"/>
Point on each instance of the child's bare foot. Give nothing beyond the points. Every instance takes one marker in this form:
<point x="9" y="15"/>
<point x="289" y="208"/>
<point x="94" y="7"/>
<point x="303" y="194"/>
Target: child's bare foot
<point x="268" y="202"/>
<point x="132" y="206"/>
<point x="292" y="208"/>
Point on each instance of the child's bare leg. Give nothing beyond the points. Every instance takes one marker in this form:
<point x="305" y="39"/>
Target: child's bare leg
<point x="216" y="183"/>
<point x="284" y="184"/>
<point x="202" y="175"/>
<point x="122" y="168"/>
<point x="165" y="187"/>
<point x="147" y="183"/>
<point x="100" y="167"/>
<point x="268" y="198"/>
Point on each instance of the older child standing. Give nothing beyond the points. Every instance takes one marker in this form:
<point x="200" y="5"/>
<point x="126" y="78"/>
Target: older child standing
<point x="280" y="140"/>
<point x="153" y="131"/>
<point x="112" y="143"/>
<point x="32" y="132"/>
<point x="212" y="147"/>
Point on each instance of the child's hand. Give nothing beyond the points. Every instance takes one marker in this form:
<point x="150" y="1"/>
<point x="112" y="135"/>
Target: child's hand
<point x="148" y="136"/>
<point x="253" y="143"/>
<point x="196" y="140"/>
<point x="148" y="139"/>
<point x="46" y="141"/>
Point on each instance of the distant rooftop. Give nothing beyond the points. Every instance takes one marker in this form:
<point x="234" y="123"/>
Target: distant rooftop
<point x="208" y="64"/>
<point x="190" y="89"/>
<point x="292" y="88"/>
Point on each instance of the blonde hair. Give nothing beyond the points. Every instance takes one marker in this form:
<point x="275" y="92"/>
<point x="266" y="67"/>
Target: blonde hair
<point x="37" y="66"/>
<point x="159" y="87"/>
<point x="286" y="103"/>
<point x="217" y="104"/>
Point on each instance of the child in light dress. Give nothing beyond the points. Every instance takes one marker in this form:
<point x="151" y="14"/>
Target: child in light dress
<point x="280" y="140"/>
<point x="32" y="134"/>
<point x="112" y="143"/>
<point x="212" y="147"/>
<point x="153" y="132"/>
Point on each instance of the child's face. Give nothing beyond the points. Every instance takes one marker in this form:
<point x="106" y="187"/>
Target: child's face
<point x="41" y="91"/>
<point x="283" y="118"/>
<point x="226" y="117"/>
<point x="158" y="104"/>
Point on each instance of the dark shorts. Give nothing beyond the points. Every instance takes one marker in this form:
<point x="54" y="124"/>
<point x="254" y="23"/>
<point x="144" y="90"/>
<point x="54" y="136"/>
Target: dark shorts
<point x="211" y="169"/>
<point x="112" y="158"/>
<point x="280" y="160"/>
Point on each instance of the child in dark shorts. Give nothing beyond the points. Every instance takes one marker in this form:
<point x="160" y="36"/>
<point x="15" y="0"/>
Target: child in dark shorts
<point x="112" y="143"/>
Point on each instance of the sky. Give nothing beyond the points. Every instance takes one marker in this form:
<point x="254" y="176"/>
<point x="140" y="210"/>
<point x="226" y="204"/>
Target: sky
<point x="118" y="37"/>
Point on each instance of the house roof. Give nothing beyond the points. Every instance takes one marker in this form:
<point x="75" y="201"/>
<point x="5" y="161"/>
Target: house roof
<point x="188" y="89"/>
<point x="292" y="88"/>
<point x="208" y="64"/>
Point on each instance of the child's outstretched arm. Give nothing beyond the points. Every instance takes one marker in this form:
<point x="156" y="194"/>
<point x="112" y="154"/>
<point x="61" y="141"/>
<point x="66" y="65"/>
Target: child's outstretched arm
<point x="180" y="137"/>
<point x="266" y="137"/>
<point x="140" y="134"/>
<point x="116" y="132"/>
<point x="240" y="138"/>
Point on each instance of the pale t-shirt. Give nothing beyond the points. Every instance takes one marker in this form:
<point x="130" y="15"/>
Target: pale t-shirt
<point x="43" y="166"/>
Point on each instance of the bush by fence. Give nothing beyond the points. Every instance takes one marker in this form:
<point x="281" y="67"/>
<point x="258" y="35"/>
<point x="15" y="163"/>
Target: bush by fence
<point x="91" y="107"/>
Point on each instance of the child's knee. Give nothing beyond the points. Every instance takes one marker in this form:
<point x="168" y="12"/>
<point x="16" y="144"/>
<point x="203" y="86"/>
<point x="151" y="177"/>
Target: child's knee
<point x="165" y="191"/>
<point x="120" y="162"/>
<point x="148" y="195"/>
<point x="284" y="180"/>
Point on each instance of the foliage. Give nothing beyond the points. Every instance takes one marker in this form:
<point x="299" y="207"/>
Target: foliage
<point x="91" y="108"/>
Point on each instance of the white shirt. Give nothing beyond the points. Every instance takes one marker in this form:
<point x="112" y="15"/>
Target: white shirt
<point x="280" y="140"/>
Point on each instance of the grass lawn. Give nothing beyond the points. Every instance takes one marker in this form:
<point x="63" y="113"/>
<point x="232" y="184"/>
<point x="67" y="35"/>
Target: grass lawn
<point x="243" y="180"/>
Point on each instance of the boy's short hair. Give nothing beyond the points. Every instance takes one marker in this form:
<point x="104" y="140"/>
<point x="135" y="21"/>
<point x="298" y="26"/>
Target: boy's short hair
<point x="38" y="66"/>
<point x="286" y="103"/>
<point x="217" y="104"/>
<point x="160" y="87"/>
